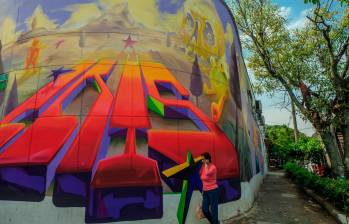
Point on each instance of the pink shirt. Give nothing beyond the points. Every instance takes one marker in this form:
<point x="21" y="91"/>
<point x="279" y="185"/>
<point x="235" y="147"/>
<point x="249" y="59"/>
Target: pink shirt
<point x="209" y="177"/>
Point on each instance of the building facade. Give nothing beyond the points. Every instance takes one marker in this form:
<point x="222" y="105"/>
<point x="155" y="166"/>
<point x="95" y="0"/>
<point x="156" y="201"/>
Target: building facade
<point x="98" y="97"/>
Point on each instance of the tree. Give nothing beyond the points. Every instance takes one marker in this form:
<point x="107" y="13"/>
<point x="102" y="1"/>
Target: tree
<point x="279" y="141"/>
<point x="282" y="145"/>
<point x="318" y="1"/>
<point x="168" y="39"/>
<point x="196" y="81"/>
<point x="34" y="23"/>
<point x="310" y="64"/>
<point x="294" y="119"/>
<point x="308" y="148"/>
<point x="82" y="40"/>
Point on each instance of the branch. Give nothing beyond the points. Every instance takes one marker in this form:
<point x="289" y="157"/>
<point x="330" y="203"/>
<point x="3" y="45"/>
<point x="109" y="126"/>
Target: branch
<point x="346" y="66"/>
<point x="325" y="33"/>
<point x="329" y="6"/>
<point x="243" y="13"/>
<point x="334" y="60"/>
<point x="291" y="94"/>
<point x="344" y="48"/>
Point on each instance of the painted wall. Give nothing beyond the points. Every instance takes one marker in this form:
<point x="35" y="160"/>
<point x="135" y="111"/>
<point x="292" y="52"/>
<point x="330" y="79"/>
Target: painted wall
<point x="98" y="97"/>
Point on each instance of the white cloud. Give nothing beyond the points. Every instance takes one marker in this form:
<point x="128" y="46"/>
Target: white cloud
<point x="300" y="22"/>
<point x="285" y="11"/>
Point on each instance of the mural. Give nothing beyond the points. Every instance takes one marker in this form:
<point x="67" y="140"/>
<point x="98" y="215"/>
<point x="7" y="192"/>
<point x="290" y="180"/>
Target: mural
<point x="99" y="97"/>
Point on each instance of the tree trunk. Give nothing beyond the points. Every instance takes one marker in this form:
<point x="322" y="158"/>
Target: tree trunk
<point x="330" y="142"/>
<point x="346" y="151"/>
<point x="294" y="118"/>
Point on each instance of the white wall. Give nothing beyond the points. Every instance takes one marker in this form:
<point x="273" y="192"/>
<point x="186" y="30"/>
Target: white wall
<point x="12" y="212"/>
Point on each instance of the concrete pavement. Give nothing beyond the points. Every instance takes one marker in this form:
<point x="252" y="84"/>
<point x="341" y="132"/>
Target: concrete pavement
<point x="280" y="201"/>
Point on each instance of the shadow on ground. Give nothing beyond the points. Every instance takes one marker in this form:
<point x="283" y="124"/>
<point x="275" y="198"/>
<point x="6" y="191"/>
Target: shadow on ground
<point x="280" y="201"/>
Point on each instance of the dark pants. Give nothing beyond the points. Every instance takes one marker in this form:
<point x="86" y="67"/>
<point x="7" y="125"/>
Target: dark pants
<point x="210" y="205"/>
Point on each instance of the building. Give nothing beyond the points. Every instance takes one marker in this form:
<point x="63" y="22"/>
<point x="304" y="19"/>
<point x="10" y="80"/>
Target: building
<point x="102" y="96"/>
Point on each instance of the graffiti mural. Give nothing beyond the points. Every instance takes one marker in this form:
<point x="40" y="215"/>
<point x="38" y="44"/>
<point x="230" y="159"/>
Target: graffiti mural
<point x="99" y="97"/>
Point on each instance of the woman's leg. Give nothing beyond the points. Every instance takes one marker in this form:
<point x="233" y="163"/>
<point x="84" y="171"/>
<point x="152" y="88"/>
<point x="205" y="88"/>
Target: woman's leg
<point x="214" y="206"/>
<point x="206" y="205"/>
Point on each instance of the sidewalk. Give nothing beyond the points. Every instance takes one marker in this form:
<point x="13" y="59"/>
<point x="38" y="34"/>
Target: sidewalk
<point x="280" y="201"/>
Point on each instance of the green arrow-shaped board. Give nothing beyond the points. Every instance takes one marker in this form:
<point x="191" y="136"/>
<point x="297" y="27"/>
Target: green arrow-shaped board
<point x="182" y="209"/>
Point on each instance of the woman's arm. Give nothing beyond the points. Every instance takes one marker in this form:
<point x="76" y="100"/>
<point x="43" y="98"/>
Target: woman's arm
<point x="210" y="171"/>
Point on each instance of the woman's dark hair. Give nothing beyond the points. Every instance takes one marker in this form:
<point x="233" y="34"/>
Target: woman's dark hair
<point x="207" y="156"/>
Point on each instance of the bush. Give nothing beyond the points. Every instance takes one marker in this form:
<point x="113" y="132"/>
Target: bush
<point x="334" y="190"/>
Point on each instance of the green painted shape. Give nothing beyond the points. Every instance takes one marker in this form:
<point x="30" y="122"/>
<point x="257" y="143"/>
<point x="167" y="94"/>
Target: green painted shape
<point x="95" y="84"/>
<point x="181" y="206"/>
<point x="171" y="193"/>
<point x="190" y="158"/>
<point x="156" y="106"/>
<point x="3" y="81"/>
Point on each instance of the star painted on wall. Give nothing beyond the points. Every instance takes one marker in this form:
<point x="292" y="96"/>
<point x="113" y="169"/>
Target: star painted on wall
<point x="189" y="173"/>
<point x="129" y="42"/>
<point x="58" y="72"/>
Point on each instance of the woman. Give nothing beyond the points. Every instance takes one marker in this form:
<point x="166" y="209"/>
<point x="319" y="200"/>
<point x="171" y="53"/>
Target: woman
<point x="208" y="175"/>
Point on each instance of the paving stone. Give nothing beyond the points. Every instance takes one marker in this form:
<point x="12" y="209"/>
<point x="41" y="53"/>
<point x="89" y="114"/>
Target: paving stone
<point x="281" y="202"/>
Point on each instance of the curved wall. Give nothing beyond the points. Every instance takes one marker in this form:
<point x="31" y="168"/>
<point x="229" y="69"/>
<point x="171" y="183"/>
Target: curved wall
<point x="98" y="97"/>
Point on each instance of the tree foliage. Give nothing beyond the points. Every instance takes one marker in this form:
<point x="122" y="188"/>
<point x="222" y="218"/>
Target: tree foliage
<point x="334" y="190"/>
<point x="318" y="1"/>
<point x="196" y="87"/>
<point x="281" y="144"/>
<point x="310" y="63"/>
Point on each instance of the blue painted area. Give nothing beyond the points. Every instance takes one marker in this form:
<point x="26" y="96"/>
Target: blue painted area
<point x="170" y="6"/>
<point x="57" y="10"/>
<point x="7" y="10"/>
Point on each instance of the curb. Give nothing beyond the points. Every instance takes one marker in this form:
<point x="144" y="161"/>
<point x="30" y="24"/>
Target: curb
<point x="240" y="215"/>
<point x="336" y="214"/>
<point x="245" y="213"/>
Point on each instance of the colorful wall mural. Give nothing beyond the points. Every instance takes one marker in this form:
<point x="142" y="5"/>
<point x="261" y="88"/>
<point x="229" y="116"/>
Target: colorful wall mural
<point x="98" y="97"/>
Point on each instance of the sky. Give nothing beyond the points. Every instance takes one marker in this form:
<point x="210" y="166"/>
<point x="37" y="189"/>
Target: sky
<point x="295" y="11"/>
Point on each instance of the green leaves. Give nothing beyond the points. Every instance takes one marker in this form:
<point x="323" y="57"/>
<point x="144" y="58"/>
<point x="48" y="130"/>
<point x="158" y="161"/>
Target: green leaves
<point x="318" y="1"/>
<point x="281" y="144"/>
<point x="309" y="63"/>
<point x="335" y="190"/>
<point x="281" y="58"/>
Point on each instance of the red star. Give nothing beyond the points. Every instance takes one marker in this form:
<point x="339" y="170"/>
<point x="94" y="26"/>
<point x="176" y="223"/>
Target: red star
<point x="129" y="42"/>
